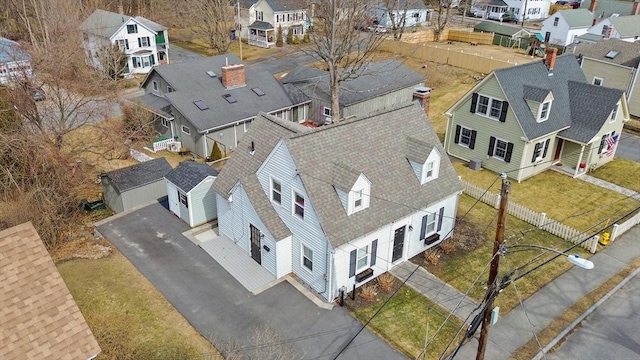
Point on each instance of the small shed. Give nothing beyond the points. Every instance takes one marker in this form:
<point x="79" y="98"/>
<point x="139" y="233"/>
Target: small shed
<point x="190" y="192"/>
<point x="130" y="187"/>
<point x="503" y="35"/>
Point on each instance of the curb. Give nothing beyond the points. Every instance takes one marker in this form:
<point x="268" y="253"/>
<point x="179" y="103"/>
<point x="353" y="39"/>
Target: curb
<point x="588" y="312"/>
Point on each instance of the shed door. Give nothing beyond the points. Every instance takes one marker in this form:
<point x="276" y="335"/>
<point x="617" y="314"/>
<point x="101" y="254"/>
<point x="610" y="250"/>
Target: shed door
<point x="172" y="195"/>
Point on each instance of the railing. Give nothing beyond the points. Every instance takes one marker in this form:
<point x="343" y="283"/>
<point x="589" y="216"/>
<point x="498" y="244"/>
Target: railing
<point x="161" y="145"/>
<point x="534" y="218"/>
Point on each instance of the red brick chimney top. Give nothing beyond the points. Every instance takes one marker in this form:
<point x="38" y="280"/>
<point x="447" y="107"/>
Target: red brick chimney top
<point x="423" y="95"/>
<point x="550" y="58"/>
<point x="593" y="5"/>
<point x="233" y="76"/>
<point x="635" y="10"/>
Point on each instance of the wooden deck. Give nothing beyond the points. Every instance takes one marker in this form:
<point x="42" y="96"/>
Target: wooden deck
<point x="238" y="263"/>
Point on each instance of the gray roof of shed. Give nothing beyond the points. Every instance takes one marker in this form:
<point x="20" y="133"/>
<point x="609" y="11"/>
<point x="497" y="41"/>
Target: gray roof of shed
<point x="588" y="37"/>
<point x="138" y="175"/>
<point x="590" y="109"/>
<point x="189" y="174"/>
<point x="192" y="83"/>
<point x="376" y="147"/>
<point x="375" y="79"/>
<point x="489" y="26"/>
<point x="10" y="51"/>
<point x="629" y="53"/>
<point x="577" y="18"/>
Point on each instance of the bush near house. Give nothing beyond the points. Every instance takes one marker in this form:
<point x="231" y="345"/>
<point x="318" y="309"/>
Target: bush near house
<point x="279" y="41"/>
<point x="216" y="153"/>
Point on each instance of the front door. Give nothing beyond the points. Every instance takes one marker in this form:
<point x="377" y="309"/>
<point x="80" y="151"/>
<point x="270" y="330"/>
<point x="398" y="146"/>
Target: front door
<point x="398" y="244"/>
<point x="255" y="244"/>
<point x="556" y="156"/>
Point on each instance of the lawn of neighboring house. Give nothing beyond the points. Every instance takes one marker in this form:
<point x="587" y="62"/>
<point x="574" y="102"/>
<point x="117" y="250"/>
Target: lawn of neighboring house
<point x="187" y="39"/>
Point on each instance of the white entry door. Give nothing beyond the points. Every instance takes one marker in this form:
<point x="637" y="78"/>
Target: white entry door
<point x="172" y="195"/>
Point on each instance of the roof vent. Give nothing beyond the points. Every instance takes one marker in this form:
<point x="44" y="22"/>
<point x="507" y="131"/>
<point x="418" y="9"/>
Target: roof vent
<point x="252" y="148"/>
<point x="211" y="74"/>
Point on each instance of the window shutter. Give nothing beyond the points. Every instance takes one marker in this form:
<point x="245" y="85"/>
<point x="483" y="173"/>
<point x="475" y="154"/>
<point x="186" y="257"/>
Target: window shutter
<point x="503" y="113"/>
<point x="126" y="44"/>
<point x="456" y="140"/>
<point x="139" y="42"/>
<point x="492" y="144"/>
<point x="440" y="216"/>
<point x="474" y="102"/>
<point x="374" y="251"/>
<point x="507" y="156"/>
<point x="535" y="152"/>
<point x="472" y="143"/>
<point x="602" y="143"/>
<point x="423" y="228"/>
<point x="152" y="59"/>
<point x="352" y="263"/>
<point x="546" y="147"/>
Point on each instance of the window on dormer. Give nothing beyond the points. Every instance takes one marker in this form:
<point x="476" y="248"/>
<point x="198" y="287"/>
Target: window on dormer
<point x="544" y="111"/>
<point x="357" y="199"/>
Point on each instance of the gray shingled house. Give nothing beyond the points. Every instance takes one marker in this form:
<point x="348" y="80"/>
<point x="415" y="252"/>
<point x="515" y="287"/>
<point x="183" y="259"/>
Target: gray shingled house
<point x="374" y="88"/>
<point x="213" y="99"/>
<point x="136" y="185"/>
<point x="190" y="192"/>
<point x="383" y="192"/>
<point x="542" y="115"/>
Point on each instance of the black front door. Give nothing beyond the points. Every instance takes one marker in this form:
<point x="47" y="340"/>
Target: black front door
<point x="255" y="244"/>
<point x="398" y="244"/>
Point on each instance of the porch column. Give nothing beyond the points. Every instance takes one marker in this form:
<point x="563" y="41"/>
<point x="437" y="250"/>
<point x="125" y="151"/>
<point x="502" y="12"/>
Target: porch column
<point x="575" y="174"/>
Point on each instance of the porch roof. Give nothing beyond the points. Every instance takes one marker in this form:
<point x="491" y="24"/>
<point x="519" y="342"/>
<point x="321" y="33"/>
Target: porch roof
<point x="155" y="104"/>
<point x="261" y="25"/>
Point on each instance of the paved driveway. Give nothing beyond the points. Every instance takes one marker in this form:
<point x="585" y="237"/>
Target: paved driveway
<point x="629" y="147"/>
<point x="218" y="306"/>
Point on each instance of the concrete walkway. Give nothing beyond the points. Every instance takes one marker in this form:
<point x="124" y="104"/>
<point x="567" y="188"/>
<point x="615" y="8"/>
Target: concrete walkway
<point x="436" y="290"/>
<point x="517" y="327"/>
<point x="610" y="186"/>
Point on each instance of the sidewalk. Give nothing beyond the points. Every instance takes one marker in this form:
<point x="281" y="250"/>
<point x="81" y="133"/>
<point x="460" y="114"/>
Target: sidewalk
<point x="517" y="327"/>
<point x="610" y="186"/>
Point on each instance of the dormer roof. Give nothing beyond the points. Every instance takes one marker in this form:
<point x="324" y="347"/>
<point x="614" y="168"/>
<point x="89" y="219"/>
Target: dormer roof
<point x="344" y="176"/>
<point x="417" y="150"/>
<point x="535" y="93"/>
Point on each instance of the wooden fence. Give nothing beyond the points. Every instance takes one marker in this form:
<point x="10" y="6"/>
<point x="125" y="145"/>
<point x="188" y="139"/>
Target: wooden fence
<point x="442" y="55"/>
<point x="532" y="217"/>
<point x="469" y="36"/>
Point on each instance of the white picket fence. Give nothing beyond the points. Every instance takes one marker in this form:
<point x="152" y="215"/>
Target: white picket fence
<point x="532" y="217"/>
<point x="161" y="145"/>
<point x="619" y="229"/>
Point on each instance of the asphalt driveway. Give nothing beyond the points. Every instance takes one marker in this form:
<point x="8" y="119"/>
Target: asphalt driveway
<point x="629" y="147"/>
<point x="219" y="307"/>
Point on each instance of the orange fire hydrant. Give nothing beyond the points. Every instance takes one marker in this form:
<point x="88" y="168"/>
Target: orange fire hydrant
<point x="605" y="239"/>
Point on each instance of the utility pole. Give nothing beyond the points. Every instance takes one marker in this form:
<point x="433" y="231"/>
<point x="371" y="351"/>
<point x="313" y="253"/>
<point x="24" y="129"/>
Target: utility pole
<point x="239" y="31"/>
<point x="495" y="262"/>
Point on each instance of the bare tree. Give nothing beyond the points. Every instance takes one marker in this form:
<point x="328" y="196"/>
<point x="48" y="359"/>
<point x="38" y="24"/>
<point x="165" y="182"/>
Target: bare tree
<point x="336" y="42"/>
<point x="442" y="15"/>
<point x="214" y="19"/>
<point x="397" y="13"/>
<point x="113" y="61"/>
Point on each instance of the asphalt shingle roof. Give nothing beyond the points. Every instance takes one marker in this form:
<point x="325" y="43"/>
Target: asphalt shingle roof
<point x="191" y="83"/>
<point x="40" y="319"/>
<point x="261" y="25"/>
<point x="626" y="26"/>
<point x="156" y="103"/>
<point x="604" y="9"/>
<point x="590" y="109"/>
<point x="417" y="150"/>
<point x="375" y="79"/>
<point x="150" y="24"/>
<point x="344" y="176"/>
<point x="188" y="174"/>
<point x="140" y="174"/>
<point x="285" y="5"/>
<point x="535" y="93"/>
<point x="410" y="5"/>
<point x="629" y="53"/>
<point x="577" y="18"/>
<point x="376" y="147"/>
<point x="489" y="26"/>
<point x="10" y="51"/>
<point x="264" y="208"/>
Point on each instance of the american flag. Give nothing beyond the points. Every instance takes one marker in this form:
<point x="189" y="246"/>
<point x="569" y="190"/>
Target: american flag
<point x="611" y="144"/>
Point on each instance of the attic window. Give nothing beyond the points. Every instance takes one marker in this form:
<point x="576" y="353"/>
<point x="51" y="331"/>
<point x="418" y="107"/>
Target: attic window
<point x="201" y="105"/>
<point x="211" y="73"/>
<point x="258" y="91"/>
<point x="612" y="54"/>
<point x="230" y="99"/>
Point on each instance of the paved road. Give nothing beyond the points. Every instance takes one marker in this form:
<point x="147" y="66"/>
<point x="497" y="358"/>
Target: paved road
<point x="611" y="332"/>
<point x="629" y="147"/>
<point x="178" y="54"/>
<point x="219" y="307"/>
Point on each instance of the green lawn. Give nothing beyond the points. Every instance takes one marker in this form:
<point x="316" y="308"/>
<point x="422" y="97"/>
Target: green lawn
<point x="128" y="316"/>
<point x="187" y="39"/>
<point x="403" y="323"/>
<point x="621" y="172"/>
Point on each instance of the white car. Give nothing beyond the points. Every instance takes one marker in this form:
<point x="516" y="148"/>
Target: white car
<point x="378" y="29"/>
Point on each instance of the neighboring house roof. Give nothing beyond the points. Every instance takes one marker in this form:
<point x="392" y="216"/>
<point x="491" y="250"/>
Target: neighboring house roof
<point x="588" y="38"/>
<point x="40" y="319"/>
<point x="150" y="24"/>
<point x="400" y="5"/>
<point x="605" y="9"/>
<point x="192" y="83"/>
<point x="626" y="26"/>
<point x="489" y="26"/>
<point x="245" y="4"/>
<point x="285" y="5"/>
<point x="104" y="23"/>
<point x="374" y="79"/>
<point x="628" y="54"/>
<point x="189" y="174"/>
<point x="10" y="51"/>
<point x="498" y="3"/>
<point x="515" y="79"/>
<point x="138" y="175"/>
<point x="590" y="109"/>
<point x="576" y="18"/>
<point x="261" y="25"/>
<point x="376" y="147"/>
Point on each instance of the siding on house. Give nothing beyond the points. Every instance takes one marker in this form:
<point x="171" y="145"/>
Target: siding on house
<point x="529" y="168"/>
<point x="203" y="202"/>
<point x="111" y="197"/>
<point x="634" y="98"/>
<point x="614" y="76"/>
<point x="383" y="103"/>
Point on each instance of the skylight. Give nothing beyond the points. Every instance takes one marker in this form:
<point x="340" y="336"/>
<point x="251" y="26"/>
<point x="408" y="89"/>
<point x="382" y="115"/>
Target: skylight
<point x="211" y="73"/>
<point x="201" y="105"/>
<point x="230" y="99"/>
<point x="612" y="54"/>
<point x="258" y="91"/>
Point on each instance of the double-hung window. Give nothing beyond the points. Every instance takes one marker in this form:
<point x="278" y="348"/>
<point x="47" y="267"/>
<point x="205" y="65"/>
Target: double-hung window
<point x="483" y="105"/>
<point x="500" y="151"/>
<point x="496" y="108"/>
<point x="614" y="113"/>
<point x="357" y="198"/>
<point x="544" y="111"/>
<point x="363" y="257"/>
<point x="465" y="137"/>
<point x="276" y="191"/>
<point x="307" y="258"/>
<point x="132" y="29"/>
<point x="298" y="204"/>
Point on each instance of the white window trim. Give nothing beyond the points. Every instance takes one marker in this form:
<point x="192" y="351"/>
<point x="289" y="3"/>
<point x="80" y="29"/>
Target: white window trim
<point x="614" y="113"/>
<point x="165" y="122"/>
<point x="495" y="147"/>
<point x="271" y="190"/>
<point x="155" y="85"/>
<point x="325" y="112"/>
<point x="539" y="157"/>
<point x="593" y="82"/>
<point x="358" y="195"/>
<point x="303" y="256"/>
<point x="462" y="129"/>
<point x="364" y="257"/>
<point x="188" y="130"/>
<point x="429" y="222"/>
<point x="293" y="205"/>
<point x="491" y="100"/>
<point x="539" y="117"/>
<point x="428" y="177"/>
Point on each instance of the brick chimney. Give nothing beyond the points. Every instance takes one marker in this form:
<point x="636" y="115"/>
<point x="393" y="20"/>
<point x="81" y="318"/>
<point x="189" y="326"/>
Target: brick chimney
<point x="233" y="76"/>
<point x="550" y="58"/>
<point x="423" y="95"/>
<point x="635" y="10"/>
<point x="593" y="5"/>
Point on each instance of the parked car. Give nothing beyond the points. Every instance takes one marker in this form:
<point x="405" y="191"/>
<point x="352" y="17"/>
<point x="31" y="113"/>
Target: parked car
<point x="378" y="29"/>
<point x="476" y="12"/>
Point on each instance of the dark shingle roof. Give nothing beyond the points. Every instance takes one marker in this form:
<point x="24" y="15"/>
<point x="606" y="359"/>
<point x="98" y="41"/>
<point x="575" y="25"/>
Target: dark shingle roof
<point x="375" y="147"/>
<point x="10" y="51"/>
<point x="628" y="53"/>
<point x="261" y="25"/>
<point x="535" y="93"/>
<point x="590" y="109"/>
<point x="489" y="26"/>
<point x="140" y="174"/>
<point x="375" y="79"/>
<point x="192" y="83"/>
<point x="515" y="79"/>
<point x="286" y="5"/>
<point x="264" y="208"/>
<point x="156" y="103"/>
<point x="417" y="150"/>
<point x="189" y="174"/>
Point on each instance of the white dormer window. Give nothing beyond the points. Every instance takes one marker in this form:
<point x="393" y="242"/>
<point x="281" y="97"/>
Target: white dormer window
<point x="614" y="113"/>
<point x="430" y="167"/>
<point x="358" y="197"/>
<point x="544" y="111"/>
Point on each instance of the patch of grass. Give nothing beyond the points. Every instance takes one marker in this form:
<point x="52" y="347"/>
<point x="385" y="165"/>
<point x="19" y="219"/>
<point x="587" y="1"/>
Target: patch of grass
<point x="575" y="203"/>
<point x="621" y="172"/>
<point x="128" y="316"/>
<point x="186" y="38"/>
<point x="461" y="271"/>
<point x="403" y="321"/>
<point x="531" y="348"/>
